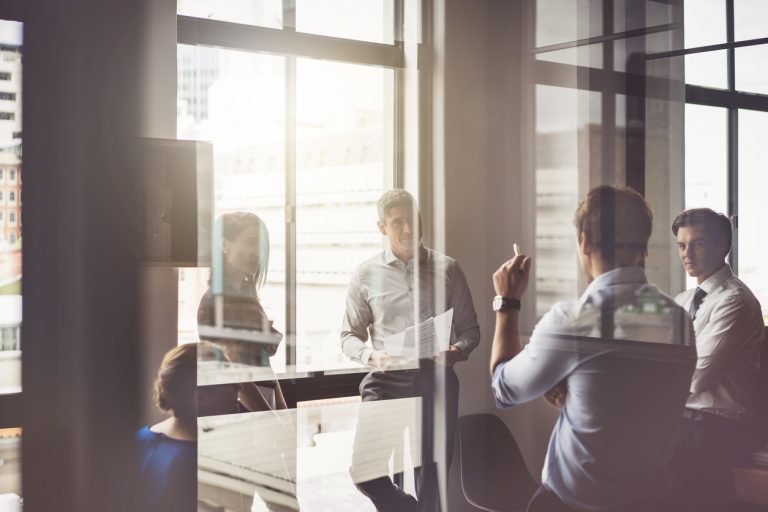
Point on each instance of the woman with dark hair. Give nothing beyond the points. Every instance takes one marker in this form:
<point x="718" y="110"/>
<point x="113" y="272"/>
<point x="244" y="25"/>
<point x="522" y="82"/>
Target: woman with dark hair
<point x="230" y="313"/>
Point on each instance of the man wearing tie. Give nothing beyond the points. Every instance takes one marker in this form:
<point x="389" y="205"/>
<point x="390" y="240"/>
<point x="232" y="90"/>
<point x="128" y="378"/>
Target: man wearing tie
<point x="729" y="330"/>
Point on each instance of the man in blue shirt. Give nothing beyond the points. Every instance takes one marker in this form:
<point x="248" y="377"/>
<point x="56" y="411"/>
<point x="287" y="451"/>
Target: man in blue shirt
<point x="618" y="362"/>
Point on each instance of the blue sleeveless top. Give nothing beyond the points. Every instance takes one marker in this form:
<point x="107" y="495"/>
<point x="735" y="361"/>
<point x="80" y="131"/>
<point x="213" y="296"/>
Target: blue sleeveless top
<point x="167" y="472"/>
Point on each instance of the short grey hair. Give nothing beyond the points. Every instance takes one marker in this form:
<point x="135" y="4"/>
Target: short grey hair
<point x="393" y="198"/>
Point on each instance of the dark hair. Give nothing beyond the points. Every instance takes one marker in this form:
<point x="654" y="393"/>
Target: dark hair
<point x="617" y="220"/>
<point x="393" y="198"/>
<point x="176" y="381"/>
<point x="229" y="225"/>
<point x="716" y="223"/>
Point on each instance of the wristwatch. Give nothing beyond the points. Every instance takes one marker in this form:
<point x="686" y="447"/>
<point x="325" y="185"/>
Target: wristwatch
<point x="504" y="303"/>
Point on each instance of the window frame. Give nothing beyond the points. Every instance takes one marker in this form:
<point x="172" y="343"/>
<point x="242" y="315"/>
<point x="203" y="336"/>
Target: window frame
<point x="292" y="44"/>
<point x="732" y="100"/>
<point x="11" y="404"/>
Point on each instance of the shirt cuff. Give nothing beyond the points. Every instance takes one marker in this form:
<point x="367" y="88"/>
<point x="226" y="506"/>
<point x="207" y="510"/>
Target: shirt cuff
<point x="365" y="357"/>
<point x="463" y="349"/>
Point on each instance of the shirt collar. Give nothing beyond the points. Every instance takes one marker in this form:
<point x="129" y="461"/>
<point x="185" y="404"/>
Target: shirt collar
<point x="714" y="281"/>
<point x="617" y="276"/>
<point x="389" y="256"/>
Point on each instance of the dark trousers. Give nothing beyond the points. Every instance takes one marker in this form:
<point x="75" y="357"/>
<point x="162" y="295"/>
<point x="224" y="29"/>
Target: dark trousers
<point x="707" y="449"/>
<point x="438" y="388"/>
<point x="544" y="500"/>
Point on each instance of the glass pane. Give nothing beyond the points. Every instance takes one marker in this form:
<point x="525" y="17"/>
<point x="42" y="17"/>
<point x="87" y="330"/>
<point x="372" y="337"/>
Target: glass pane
<point x="263" y="13"/>
<point x="750" y="18"/>
<point x="365" y="20"/>
<point x="706" y="160"/>
<point x="753" y="181"/>
<point x="708" y="69"/>
<point x="342" y="160"/>
<point x="704" y="22"/>
<point x="656" y="13"/>
<point x="236" y="101"/>
<point x="560" y="21"/>
<point x="10" y="206"/>
<point x="10" y="469"/>
<point x="751" y="69"/>
<point x="587" y="56"/>
<point x="567" y="129"/>
<point x="308" y="458"/>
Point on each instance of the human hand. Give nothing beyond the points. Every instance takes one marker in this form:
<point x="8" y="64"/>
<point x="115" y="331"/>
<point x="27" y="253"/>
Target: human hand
<point x="557" y="395"/>
<point x="448" y="357"/>
<point x="511" y="278"/>
<point x="381" y="360"/>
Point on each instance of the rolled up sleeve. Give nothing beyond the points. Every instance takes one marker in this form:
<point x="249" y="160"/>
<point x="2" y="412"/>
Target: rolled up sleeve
<point x="357" y="319"/>
<point x="541" y="365"/>
<point x="464" y="315"/>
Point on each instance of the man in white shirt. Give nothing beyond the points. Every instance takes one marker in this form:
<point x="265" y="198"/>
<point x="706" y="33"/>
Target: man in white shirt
<point x="395" y="289"/>
<point x="618" y="362"/>
<point x="729" y="329"/>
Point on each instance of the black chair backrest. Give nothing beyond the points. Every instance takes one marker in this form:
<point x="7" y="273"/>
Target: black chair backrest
<point x="493" y="473"/>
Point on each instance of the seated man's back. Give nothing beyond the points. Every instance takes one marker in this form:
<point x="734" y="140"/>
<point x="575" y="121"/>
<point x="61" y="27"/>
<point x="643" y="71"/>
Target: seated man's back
<point x="616" y="433"/>
<point x="617" y="362"/>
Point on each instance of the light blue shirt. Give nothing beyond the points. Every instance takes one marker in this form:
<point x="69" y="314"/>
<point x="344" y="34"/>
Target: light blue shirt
<point x="627" y="372"/>
<point x="383" y="298"/>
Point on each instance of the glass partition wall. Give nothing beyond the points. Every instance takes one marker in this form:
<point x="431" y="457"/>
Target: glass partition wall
<point x="312" y="111"/>
<point x="600" y="111"/>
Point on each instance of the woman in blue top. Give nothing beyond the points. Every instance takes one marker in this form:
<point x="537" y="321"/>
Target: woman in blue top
<point x="168" y="450"/>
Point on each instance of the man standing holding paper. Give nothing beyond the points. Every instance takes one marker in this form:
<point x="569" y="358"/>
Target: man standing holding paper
<point x="399" y="288"/>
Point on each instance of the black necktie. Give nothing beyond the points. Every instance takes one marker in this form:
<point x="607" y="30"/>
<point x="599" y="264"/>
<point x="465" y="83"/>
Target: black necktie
<point x="698" y="297"/>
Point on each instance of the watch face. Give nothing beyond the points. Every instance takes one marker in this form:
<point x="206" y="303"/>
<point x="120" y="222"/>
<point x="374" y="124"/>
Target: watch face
<point x="498" y="301"/>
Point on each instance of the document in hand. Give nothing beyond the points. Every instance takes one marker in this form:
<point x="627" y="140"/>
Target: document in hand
<point x="422" y="340"/>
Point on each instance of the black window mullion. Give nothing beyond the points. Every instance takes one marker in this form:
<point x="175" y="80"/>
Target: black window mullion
<point x="733" y="137"/>
<point x="733" y="183"/>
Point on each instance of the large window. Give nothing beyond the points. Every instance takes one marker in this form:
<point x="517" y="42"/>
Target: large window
<point x="10" y="267"/>
<point x="310" y="109"/>
<point x="599" y="112"/>
<point x="725" y="121"/>
<point x="309" y="126"/>
<point x="10" y="233"/>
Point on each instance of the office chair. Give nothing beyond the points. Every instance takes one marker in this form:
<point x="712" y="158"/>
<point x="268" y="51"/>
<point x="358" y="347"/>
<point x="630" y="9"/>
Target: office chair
<point x="494" y="476"/>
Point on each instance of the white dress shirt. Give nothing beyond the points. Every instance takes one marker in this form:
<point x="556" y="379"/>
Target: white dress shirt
<point x="382" y="299"/>
<point x="729" y="332"/>
<point x="625" y="393"/>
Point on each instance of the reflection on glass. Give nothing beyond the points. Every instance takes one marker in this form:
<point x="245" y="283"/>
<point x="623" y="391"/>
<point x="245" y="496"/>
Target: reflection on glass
<point x="751" y="70"/>
<point x="247" y="462"/>
<point x="707" y="69"/>
<point x="263" y="13"/>
<point x="231" y="313"/>
<point x="310" y="458"/>
<point x="327" y="455"/>
<point x="587" y="56"/>
<point x="706" y="161"/>
<point x="564" y="131"/>
<point x="655" y="13"/>
<point x="341" y="171"/>
<point x="753" y="181"/>
<point x="365" y="20"/>
<point x="625" y="49"/>
<point x="10" y="469"/>
<point x="236" y="100"/>
<point x="10" y="206"/>
<point x="560" y="21"/>
<point x="704" y="23"/>
<point x="750" y="19"/>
